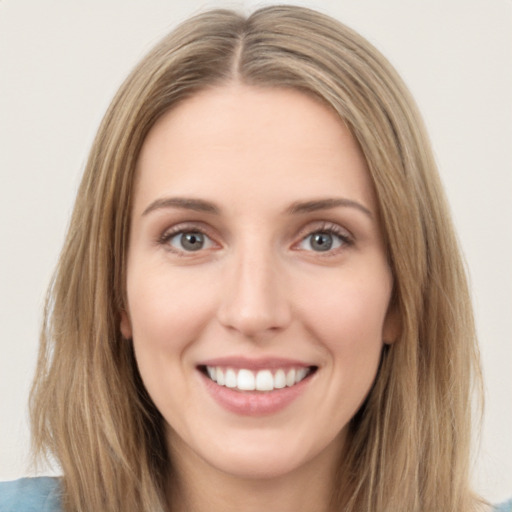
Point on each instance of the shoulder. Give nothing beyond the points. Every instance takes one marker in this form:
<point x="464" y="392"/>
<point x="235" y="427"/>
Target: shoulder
<point x="40" y="494"/>
<point x="504" y="507"/>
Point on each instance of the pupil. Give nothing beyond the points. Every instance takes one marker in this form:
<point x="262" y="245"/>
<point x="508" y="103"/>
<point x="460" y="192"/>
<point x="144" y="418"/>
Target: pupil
<point x="321" y="241"/>
<point x="192" y="241"/>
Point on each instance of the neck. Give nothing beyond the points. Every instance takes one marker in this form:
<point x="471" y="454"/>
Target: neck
<point x="199" y="487"/>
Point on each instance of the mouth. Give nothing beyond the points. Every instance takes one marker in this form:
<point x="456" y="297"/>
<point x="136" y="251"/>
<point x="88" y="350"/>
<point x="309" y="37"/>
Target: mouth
<point x="263" y="380"/>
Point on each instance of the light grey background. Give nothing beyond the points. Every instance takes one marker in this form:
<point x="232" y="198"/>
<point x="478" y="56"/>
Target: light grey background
<point x="60" y="64"/>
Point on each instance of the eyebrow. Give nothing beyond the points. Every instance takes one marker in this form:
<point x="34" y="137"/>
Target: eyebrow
<point x="298" y="207"/>
<point x="326" y="204"/>
<point x="197" y="205"/>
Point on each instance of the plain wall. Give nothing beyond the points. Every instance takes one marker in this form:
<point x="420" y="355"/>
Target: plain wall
<point x="62" y="61"/>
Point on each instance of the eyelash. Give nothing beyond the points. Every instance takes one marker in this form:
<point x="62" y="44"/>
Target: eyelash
<point x="182" y="229"/>
<point x="325" y="228"/>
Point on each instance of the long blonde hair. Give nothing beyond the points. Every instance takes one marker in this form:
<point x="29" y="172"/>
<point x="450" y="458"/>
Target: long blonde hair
<point x="409" y="445"/>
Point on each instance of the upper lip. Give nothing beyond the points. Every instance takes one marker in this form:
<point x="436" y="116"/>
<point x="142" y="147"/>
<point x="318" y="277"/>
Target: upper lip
<point x="255" y="363"/>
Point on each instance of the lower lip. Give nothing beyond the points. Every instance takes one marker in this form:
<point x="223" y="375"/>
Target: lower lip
<point x="254" y="403"/>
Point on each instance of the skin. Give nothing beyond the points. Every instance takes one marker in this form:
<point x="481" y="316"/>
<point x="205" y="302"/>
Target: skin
<point x="258" y="288"/>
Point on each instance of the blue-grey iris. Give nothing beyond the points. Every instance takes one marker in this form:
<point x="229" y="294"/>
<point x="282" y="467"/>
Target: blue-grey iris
<point x="192" y="241"/>
<point x="321" y="241"/>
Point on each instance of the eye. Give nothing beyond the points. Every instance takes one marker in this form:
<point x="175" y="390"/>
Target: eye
<point x="188" y="241"/>
<point x="323" y="241"/>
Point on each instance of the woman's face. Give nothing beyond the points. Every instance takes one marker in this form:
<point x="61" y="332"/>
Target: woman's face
<point x="257" y="281"/>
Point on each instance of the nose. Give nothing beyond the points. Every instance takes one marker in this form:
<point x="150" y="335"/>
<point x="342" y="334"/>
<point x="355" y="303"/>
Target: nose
<point x="254" y="298"/>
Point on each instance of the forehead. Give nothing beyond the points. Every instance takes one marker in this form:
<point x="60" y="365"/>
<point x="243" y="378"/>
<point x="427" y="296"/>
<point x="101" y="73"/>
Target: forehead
<point x="251" y="140"/>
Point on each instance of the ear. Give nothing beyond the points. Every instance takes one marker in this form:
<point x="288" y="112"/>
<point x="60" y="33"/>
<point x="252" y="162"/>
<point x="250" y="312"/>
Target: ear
<point x="392" y="325"/>
<point x="125" y="325"/>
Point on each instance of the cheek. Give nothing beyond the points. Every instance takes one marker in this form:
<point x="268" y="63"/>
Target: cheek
<point x="167" y="313"/>
<point x="346" y="316"/>
<point x="166" y="310"/>
<point x="348" y="309"/>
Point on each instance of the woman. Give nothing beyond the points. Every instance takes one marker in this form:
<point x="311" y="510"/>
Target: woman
<point x="260" y="303"/>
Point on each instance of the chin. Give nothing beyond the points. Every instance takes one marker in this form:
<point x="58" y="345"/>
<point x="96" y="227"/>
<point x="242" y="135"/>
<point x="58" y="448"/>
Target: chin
<point x="267" y="455"/>
<point x="259" y="468"/>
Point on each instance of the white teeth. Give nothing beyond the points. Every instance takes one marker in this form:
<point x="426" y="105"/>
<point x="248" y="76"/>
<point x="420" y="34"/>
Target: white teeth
<point x="212" y="372"/>
<point x="262" y="380"/>
<point x="231" y="380"/>
<point x="300" y="374"/>
<point x="279" y="379"/>
<point x="246" y="380"/>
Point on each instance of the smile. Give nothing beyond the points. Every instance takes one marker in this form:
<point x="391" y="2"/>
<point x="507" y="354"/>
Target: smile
<point x="243" y="379"/>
